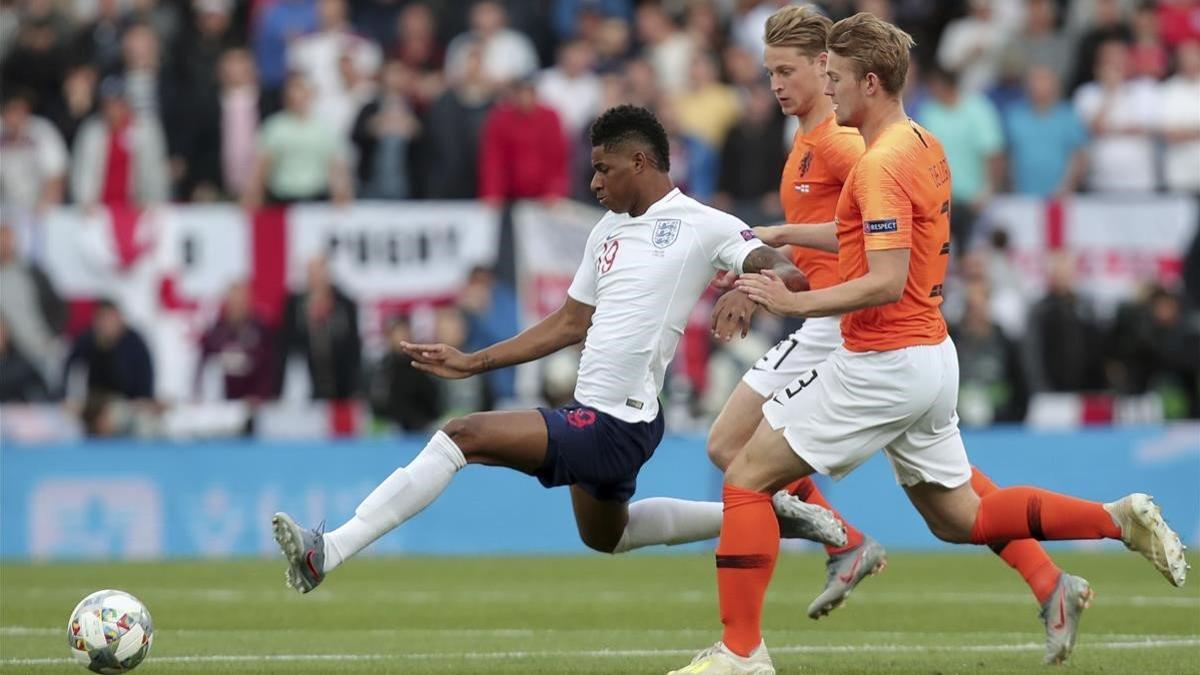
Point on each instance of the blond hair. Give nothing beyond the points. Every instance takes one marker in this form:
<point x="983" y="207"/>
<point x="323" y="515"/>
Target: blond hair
<point x="800" y="27"/>
<point x="875" y="46"/>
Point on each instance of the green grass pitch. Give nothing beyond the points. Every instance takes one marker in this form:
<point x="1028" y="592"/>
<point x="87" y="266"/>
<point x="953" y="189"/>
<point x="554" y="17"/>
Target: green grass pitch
<point x="927" y="613"/>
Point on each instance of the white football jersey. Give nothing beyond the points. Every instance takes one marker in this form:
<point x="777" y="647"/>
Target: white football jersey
<point x="644" y="275"/>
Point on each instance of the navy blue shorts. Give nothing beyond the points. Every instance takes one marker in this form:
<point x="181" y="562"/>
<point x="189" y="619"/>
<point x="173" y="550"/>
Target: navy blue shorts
<point x="596" y="451"/>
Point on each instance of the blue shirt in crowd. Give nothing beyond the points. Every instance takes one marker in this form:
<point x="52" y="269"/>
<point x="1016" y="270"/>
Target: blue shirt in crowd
<point x="970" y="132"/>
<point x="1040" y="146"/>
<point x="279" y="22"/>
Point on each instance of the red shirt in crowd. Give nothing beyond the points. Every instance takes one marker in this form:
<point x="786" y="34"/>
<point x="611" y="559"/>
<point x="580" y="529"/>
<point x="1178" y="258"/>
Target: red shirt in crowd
<point x="523" y="154"/>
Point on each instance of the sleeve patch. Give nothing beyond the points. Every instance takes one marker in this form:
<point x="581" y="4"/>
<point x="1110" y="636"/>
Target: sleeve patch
<point x="880" y="226"/>
<point x="748" y="235"/>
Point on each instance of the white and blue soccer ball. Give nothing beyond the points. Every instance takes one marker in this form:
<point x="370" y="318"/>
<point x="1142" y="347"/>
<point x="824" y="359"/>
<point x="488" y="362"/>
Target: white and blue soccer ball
<point x="110" y="632"/>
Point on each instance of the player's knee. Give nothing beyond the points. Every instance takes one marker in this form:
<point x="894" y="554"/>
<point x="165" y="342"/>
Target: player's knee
<point x="950" y="531"/>
<point x="465" y="432"/>
<point x="720" y="451"/>
<point x="601" y="543"/>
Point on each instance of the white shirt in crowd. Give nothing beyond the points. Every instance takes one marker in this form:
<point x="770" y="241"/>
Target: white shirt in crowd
<point x="644" y="275"/>
<point x="30" y="160"/>
<point x="317" y="57"/>
<point x="508" y="55"/>
<point x="972" y="48"/>
<point x="1121" y="161"/>
<point x="1181" y="111"/>
<point x="575" y="99"/>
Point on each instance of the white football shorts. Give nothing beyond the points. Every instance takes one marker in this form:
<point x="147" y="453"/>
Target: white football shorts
<point x="795" y="355"/>
<point x="853" y="403"/>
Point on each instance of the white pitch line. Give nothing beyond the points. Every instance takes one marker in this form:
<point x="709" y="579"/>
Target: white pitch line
<point x="624" y="653"/>
<point x="18" y="631"/>
<point x="229" y="595"/>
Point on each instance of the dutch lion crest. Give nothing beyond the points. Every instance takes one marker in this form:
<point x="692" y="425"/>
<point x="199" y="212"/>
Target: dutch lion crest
<point x="665" y="233"/>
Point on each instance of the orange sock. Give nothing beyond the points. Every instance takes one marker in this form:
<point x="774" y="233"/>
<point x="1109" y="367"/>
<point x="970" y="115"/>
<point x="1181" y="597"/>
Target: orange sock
<point x="1026" y="556"/>
<point x="746" y="556"/>
<point x="806" y="489"/>
<point x="1032" y="513"/>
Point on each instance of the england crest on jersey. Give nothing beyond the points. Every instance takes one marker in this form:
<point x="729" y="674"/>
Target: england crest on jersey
<point x="665" y="233"/>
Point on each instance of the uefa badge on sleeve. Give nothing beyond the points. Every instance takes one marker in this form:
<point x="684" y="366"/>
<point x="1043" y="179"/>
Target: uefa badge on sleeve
<point x="665" y="233"/>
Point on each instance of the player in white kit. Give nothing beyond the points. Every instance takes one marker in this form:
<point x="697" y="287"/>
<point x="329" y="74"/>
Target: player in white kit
<point x="646" y="264"/>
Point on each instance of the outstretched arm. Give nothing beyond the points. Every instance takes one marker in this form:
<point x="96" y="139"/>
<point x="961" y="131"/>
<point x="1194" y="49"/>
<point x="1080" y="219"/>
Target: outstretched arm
<point x="566" y="326"/>
<point x="821" y="236"/>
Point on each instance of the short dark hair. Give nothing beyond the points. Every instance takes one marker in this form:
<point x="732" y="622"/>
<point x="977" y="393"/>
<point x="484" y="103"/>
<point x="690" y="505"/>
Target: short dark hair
<point x="625" y="123"/>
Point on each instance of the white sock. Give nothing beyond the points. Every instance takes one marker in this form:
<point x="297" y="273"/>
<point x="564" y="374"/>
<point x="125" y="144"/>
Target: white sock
<point x="402" y="496"/>
<point x="662" y="520"/>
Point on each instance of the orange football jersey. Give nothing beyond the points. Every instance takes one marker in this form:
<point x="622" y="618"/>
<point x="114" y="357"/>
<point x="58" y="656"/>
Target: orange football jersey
<point x="812" y="179"/>
<point x="897" y="196"/>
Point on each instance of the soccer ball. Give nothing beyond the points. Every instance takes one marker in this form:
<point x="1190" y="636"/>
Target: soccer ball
<point x="110" y="632"/>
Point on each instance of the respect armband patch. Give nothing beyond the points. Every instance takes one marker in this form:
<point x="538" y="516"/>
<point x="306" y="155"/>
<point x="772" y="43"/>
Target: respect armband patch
<point x="880" y="226"/>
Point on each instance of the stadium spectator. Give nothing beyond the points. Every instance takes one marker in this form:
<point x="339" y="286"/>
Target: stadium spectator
<point x="32" y="311"/>
<point x="567" y="15"/>
<point x="1181" y="120"/>
<point x="1122" y="115"/>
<point x="1106" y="23"/>
<point x="741" y="68"/>
<point x="1154" y="347"/>
<point x="992" y="385"/>
<point x="641" y="83"/>
<point x="571" y="88"/>
<point x="611" y="43"/>
<point x="279" y="24"/>
<point x="747" y="22"/>
<point x="668" y="49"/>
<point x="752" y="161"/>
<point x="507" y="54"/>
<point x="971" y="46"/>
<point x="1040" y="43"/>
<point x="1046" y="139"/>
<point x="76" y="103"/>
<point x="1147" y="53"/>
<point x="36" y="62"/>
<point x="453" y="126"/>
<point x="242" y="348"/>
<point x="98" y="42"/>
<point x="320" y="323"/>
<point x="1061" y="348"/>
<point x="333" y="60"/>
<point x="119" y="158"/>
<point x="299" y="157"/>
<point x="196" y="134"/>
<point x="241" y="110"/>
<point x="695" y="165"/>
<point x="383" y="136"/>
<point x="708" y="108"/>
<point x="32" y="175"/>
<point x="418" y="47"/>
<point x="114" y="356"/>
<point x="1179" y="21"/>
<point x="702" y="26"/>
<point x="523" y="153"/>
<point x="155" y="93"/>
<point x="164" y="17"/>
<point x="20" y="381"/>
<point x="489" y="308"/>
<point x="400" y="393"/>
<point x="970" y="131"/>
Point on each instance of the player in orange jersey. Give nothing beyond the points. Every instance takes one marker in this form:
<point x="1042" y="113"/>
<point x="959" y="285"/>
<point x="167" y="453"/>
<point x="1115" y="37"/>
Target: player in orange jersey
<point x="894" y="382"/>
<point x="822" y="157"/>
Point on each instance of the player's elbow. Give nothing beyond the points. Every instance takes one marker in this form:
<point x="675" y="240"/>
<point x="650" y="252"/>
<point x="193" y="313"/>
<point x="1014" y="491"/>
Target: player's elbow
<point x="889" y="289"/>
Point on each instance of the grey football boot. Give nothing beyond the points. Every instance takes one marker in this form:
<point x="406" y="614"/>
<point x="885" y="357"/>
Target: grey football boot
<point x="1061" y="613"/>
<point x="844" y="571"/>
<point x="800" y="520"/>
<point x="304" y="550"/>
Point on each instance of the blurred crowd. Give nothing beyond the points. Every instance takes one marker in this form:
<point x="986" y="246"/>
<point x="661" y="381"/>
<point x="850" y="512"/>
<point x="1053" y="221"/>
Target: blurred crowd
<point x="131" y="103"/>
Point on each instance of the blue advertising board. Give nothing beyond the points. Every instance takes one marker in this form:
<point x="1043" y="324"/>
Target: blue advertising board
<point x="129" y="500"/>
